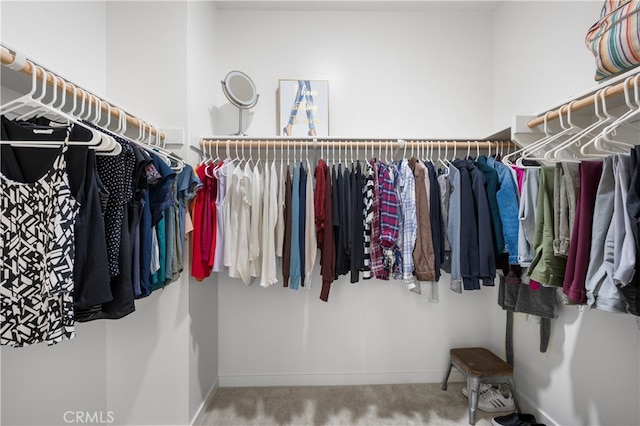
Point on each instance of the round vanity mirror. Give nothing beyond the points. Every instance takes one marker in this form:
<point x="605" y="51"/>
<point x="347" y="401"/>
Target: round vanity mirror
<point x="241" y="92"/>
<point x="240" y="89"/>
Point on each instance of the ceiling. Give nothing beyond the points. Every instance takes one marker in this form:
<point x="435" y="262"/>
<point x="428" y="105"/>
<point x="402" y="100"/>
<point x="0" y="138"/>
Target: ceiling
<point x="359" y="5"/>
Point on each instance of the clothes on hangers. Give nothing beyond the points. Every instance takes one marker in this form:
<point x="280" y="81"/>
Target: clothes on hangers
<point x="37" y="247"/>
<point x="107" y="260"/>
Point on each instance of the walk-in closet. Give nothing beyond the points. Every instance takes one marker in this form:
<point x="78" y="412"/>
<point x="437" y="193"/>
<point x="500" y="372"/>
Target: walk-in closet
<point x="166" y="298"/>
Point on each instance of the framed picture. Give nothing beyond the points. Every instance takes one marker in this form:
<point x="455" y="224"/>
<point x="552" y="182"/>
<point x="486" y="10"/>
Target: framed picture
<point x="303" y="108"/>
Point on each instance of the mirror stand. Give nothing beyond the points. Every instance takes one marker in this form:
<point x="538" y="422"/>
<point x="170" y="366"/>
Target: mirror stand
<point x="240" y="132"/>
<point x="241" y="92"/>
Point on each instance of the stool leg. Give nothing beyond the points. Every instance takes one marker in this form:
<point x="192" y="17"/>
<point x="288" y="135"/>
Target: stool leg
<point x="446" y="377"/>
<point x="514" y="394"/>
<point x="473" y="387"/>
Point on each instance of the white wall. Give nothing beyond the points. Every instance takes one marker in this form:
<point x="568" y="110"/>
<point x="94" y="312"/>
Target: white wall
<point x="590" y="374"/>
<point x="390" y="74"/>
<point x="71" y="375"/>
<point x="147" y="353"/>
<point x="202" y="88"/>
<point x="156" y="365"/>
<point x="540" y="58"/>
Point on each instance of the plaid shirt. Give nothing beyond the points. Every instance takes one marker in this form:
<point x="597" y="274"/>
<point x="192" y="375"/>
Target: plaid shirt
<point x="407" y="191"/>
<point x="377" y="267"/>
<point x="389" y="228"/>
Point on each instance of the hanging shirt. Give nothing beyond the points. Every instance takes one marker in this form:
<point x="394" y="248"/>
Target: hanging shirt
<point x="268" y="242"/>
<point x="221" y="175"/>
<point x="377" y="266"/>
<point x="295" y="273"/>
<point x="311" y="244"/>
<point x="286" y="249"/>
<point x="209" y="190"/>
<point x="630" y="291"/>
<point x="188" y="186"/>
<point x="578" y="260"/>
<point x="407" y="191"/>
<point x="302" y="220"/>
<point x="469" y="256"/>
<point x="242" y="262"/>
<point x="37" y="228"/>
<point x="601" y="290"/>
<point x="211" y="207"/>
<point x="546" y="268"/>
<point x="199" y="269"/>
<point x="318" y="200"/>
<point x="367" y="213"/>
<point x="527" y="216"/>
<point x="624" y="242"/>
<point x="281" y="213"/>
<point x="508" y="201"/>
<point x="357" y="225"/>
<point x="255" y="234"/>
<point x="348" y="219"/>
<point x="339" y="219"/>
<point x="492" y="184"/>
<point x="435" y="214"/>
<point x="233" y="204"/>
<point x="453" y="230"/>
<point x="327" y="257"/>
<point x="423" y="257"/>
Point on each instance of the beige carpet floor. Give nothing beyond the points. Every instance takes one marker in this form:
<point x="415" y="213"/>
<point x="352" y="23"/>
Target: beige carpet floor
<point x="406" y="404"/>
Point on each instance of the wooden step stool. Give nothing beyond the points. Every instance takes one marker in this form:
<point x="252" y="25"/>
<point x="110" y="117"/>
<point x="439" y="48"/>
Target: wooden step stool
<point x="480" y="365"/>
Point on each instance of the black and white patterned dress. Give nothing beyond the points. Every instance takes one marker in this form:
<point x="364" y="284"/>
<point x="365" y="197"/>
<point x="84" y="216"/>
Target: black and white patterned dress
<point x="37" y="250"/>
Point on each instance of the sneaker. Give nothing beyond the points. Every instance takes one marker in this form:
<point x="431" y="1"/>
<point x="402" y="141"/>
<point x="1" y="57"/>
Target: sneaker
<point x="514" y="419"/>
<point x="492" y="400"/>
<point x="483" y="388"/>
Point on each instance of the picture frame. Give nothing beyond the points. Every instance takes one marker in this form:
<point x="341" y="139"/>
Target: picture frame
<point x="303" y="108"/>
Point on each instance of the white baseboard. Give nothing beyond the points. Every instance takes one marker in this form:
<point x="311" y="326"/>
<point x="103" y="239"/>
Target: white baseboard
<point x="528" y="406"/>
<point x="330" y="379"/>
<point x="199" y="416"/>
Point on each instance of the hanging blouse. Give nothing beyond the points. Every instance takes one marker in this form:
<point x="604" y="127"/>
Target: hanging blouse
<point x="38" y="226"/>
<point x="233" y="204"/>
<point x="221" y="175"/>
<point x="367" y="212"/>
<point x="310" y="230"/>
<point x="269" y="213"/>
<point x="255" y="231"/>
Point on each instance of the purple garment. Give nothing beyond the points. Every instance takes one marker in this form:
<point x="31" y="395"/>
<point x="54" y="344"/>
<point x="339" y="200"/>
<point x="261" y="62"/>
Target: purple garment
<point x="579" y="249"/>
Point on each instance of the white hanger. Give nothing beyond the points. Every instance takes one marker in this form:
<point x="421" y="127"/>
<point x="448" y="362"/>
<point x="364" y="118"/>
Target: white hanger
<point x="37" y="105"/>
<point x="552" y="154"/>
<point x="603" y="120"/>
<point x="623" y="120"/>
<point x="569" y="129"/>
<point x="507" y="158"/>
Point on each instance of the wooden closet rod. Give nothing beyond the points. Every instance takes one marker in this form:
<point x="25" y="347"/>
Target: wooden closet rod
<point x="330" y="142"/>
<point x="585" y="102"/>
<point x="29" y="68"/>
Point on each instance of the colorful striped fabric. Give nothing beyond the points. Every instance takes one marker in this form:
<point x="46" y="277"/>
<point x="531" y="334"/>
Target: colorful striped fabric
<point x="615" y="39"/>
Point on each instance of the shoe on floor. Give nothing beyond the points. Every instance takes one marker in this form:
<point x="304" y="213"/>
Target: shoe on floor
<point x="514" y="419"/>
<point x="483" y="388"/>
<point x="492" y="400"/>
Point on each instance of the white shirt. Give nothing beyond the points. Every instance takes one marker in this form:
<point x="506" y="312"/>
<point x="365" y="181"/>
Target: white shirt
<point x="255" y="232"/>
<point x="310" y="242"/>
